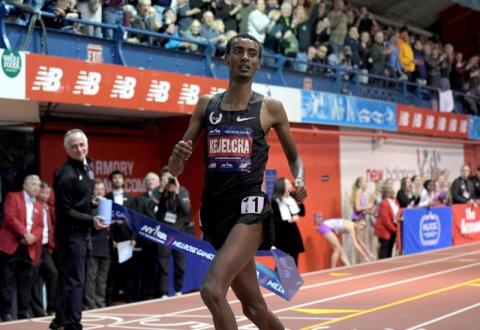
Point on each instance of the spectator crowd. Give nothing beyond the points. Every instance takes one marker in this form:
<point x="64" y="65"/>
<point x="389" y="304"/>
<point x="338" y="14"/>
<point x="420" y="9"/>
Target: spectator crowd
<point x="314" y="33"/>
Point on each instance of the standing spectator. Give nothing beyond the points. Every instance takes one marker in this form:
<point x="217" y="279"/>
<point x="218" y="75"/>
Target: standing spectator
<point x="352" y="41"/>
<point x="242" y="16"/>
<point x="185" y="14"/>
<point x="476" y="182"/>
<point x="200" y="6"/>
<point x="98" y="260"/>
<point x="321" y="33"/>
<point x="338" y="25"/>
<point x="286" y="213"/>
<point x="208" y="31"/>
<point x="227" y="10"/>
<point x="73" y="188"/>
<point x="386" y="224"/>
<point x="303" y="30"/>
<point x="442" y="195"/>
<point x="446" y="67"/>
<point x="427" y="197"/>
<point x="91" y="10"/>
<point x="194" y="32"/>
<point x="174" y="210"/>
<point x="147" y="204"/>
<point x="365" y="21"/>
<point x="393" y="66"/>
<point x="121" y="232"/>
<point x="20" y="246"/>
<point x="46" y="269"/>
<point x="259" y="23"/>
<point x="378" y="54"/>
<point x="405" y="196"/>
<point x="417" y="183"/>
<point x="146" y="19"/>
<point x="420" y="73"/>
<point x="463" y="189"/>
<point x="405" y="53"/>
<point x="112" y="13"/>
<point x="434" y="61"/>
<point x="364" y="56"/>
<point x="458" y="72"/>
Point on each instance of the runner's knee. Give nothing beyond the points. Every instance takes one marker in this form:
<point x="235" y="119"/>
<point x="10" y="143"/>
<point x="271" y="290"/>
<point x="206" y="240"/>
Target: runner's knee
<point x="211" y="294"/>
<point x="254" y="310"/>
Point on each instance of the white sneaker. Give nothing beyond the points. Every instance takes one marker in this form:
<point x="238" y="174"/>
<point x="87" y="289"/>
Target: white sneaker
<point x="164" y="296"/>
<point x="178" y="293"/>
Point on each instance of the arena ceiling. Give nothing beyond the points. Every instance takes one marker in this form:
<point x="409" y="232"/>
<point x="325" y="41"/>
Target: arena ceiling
<point x="419" y="13"/>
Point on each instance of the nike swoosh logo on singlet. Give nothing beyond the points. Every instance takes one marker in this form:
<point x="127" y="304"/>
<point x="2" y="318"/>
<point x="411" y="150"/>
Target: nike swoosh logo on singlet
<point x="239" y="119"/>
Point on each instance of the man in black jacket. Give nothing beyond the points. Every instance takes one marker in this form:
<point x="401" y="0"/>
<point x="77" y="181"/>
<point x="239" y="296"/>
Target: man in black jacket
<point x="147" y="204"/>
<point x="476" y="182"/>
<point x="73" y="187"/>
<point x="120" y="232"/>
<point x="174" y="210"/>
<point x="463" y="189"/>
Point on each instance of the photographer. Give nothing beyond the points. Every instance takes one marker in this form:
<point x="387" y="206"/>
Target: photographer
<point x="174" y="210"/>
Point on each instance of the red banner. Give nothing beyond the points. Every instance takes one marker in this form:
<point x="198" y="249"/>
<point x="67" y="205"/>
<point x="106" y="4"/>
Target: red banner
<point x="430" y="122"/>
<point x="466" y="224"/>
<point x="63" y="80"/>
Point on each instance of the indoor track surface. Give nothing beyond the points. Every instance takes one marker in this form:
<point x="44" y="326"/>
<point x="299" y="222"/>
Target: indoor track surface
<point x="434" y="290"/>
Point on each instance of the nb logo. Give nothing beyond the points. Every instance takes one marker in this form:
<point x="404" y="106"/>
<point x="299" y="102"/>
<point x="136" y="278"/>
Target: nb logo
<point x="123" y="88"/>
<point x="189" y="94"/>
<point x="216" y="90"/>
<point x="88" y="83"/>
<point x="48" y="79"/>
<point x="158" y="91"/>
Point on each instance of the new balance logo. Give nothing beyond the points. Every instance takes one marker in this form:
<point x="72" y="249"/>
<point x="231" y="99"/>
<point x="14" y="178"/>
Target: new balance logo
<point x="48" y="79"/>
<point x="88" y="83"/>
<point x="158" y="91"/>
<point x="189" y="94"/>
<point x="216" y="90"/>
<point x="123" y="88"/>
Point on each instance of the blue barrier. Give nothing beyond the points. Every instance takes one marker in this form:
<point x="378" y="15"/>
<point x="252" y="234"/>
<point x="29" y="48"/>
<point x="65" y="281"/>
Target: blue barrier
<point x="425" y="229"/>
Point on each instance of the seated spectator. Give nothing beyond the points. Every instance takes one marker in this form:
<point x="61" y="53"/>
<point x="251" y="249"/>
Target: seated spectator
<point x="470" y="104"/>
<point x="112" y="13"/>
<point x="185" y="14"/>
<point x="173" y="43"/>
<point x="146" y="19"/>
<point x="208" y="31"/>
<point x="194" y="33"/>
<point x="61" y="9"/>
<point x="365" y="21"/>
<point x="15" y="13"/>
<point x="428" y="195"/>
<point x="463" y="188"/>
<point x="91" y="10"/>
<point x="160" y="6"/>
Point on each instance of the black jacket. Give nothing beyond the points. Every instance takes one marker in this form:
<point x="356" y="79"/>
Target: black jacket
<point x="73" y="189"/>
<point x="101" y="244"/>
<point x="462" y="190"/>
<point x="476" y="182"/>
<point x="148" y="205"/>
<point x="179" y="205"/>
<point x="405" y="201"/>
<point x="120" y="231"/>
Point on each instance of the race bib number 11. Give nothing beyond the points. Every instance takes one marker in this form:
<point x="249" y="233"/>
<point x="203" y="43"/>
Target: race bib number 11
<point x="252" y="205"/>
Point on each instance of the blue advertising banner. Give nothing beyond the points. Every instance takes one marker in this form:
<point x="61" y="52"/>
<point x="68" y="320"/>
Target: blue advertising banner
<point x="343" y="110"/>
<point x="474" y="127"/>
<point x="426" y="229"/>
<point x="270" y="178"/>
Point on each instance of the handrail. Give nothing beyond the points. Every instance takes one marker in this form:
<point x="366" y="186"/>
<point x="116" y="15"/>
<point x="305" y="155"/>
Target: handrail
<point x="408" y="89"/>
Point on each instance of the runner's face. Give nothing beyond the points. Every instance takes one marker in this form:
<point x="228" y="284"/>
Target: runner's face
<point x="243" y="59"/>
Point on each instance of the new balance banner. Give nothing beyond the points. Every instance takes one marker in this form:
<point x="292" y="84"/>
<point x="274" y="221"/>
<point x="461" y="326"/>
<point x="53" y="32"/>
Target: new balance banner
<point x="59" y="79"/>
<point x="285" y="283"/>
<point x="466" y="223"/>
<point x="342" y="110"/>
<point x="426" y="229"/>
<point x="428" y="122"/>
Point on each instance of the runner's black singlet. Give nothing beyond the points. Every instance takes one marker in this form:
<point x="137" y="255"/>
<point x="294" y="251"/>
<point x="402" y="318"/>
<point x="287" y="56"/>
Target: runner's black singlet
<point x="236" y="153"/>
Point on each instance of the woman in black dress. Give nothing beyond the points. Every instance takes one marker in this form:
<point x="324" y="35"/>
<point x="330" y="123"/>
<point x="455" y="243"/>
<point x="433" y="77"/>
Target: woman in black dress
<point x="286" y="213"/>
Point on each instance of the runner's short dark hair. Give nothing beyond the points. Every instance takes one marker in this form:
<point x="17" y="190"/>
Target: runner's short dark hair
<point x="244" y="36"/>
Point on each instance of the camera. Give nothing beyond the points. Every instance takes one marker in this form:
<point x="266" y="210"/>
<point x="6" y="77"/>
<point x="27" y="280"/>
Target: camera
<point x="172" y="181"/>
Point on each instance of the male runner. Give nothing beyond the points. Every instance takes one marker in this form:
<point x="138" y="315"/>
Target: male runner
<point x="235" y="214"/>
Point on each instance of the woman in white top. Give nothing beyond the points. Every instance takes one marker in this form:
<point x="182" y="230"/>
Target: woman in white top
<point x="428" y="195"/>
<point x="330" y="228"/>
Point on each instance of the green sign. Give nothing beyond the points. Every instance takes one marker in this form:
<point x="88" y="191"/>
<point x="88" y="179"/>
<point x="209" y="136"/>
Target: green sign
<point x="11" y="63"/>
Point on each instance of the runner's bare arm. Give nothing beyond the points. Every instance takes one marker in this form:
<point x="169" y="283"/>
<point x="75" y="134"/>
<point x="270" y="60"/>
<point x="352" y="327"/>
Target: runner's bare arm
<point x="279" y="122"/>
<point x="183" y="149"/>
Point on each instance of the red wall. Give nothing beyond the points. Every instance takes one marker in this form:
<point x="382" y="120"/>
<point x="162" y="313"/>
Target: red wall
<point x="460" y="27"/>
<point x="150" y="150"/>
<point x="472" y="156"/>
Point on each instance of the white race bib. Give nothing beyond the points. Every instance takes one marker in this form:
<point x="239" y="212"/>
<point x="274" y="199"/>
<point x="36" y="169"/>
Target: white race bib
<point x="170" y="217"/>
<point x="252" y="205"/>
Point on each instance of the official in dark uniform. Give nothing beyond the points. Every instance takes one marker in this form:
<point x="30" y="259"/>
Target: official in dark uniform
<point x="120" y="232"/>
<point x="463" y="188"/>
<point x="476" y="183"/>
<point x="73" y="188"/>
<point x="235" y="215"/>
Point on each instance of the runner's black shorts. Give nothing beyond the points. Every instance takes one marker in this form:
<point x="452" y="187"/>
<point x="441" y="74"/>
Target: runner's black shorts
<point x="217" y="220"/>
